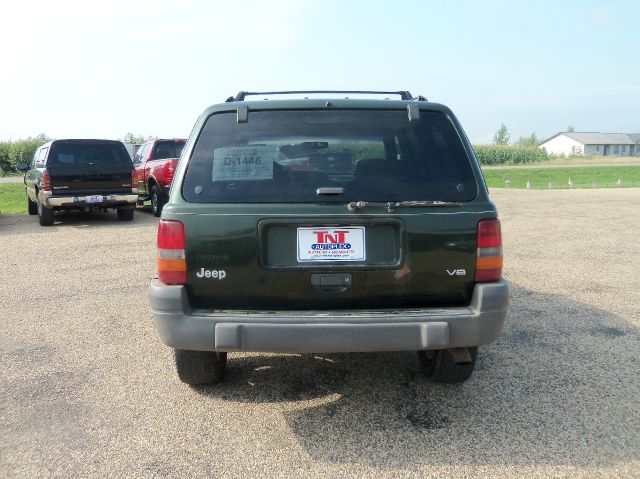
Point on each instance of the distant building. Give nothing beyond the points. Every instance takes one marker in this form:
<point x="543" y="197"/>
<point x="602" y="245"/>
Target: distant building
<point x="592" y="144"/>
<point x="635" y="137"/>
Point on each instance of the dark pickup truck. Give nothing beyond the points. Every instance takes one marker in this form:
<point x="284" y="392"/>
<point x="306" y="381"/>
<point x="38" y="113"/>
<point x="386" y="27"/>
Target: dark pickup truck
<point x="155" y="163"/>
<point x="80" y="174"/>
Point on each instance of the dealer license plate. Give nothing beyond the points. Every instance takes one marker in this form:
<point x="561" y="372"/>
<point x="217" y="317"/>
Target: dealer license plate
<point x="94" y="199"/>
<point x="331" y="244"/>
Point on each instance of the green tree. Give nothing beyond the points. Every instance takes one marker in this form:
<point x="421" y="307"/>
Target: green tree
<point x="502" y="136"/>
<point x="528" y="141"/>
<point x="136" y="139"/>
<point x="571" y="128"/>
<point x="14" y="152"/>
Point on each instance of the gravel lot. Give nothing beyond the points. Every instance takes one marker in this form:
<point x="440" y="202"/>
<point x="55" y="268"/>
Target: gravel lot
<point x="87" y="389"/>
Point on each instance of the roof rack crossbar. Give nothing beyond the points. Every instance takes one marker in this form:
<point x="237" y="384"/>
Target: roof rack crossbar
<point x="404" y="95"/>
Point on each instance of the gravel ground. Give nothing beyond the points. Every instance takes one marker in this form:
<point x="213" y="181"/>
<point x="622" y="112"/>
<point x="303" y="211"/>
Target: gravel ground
<point x="87" y="389"/>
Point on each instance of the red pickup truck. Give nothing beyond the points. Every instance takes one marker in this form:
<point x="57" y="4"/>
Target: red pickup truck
<point x="155" y="163"/>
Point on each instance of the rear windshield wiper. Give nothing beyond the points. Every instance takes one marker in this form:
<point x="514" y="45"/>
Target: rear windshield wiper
<point x="391" y="205"/>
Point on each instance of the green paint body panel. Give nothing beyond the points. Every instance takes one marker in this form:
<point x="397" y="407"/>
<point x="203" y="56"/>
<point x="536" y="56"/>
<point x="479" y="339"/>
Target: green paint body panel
<point x="411" y="256"/>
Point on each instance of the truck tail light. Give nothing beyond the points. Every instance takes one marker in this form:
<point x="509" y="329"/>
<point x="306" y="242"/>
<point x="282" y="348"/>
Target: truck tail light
<point x="172" y="266"/>
<point x="169" y="170"/>
<point x="45" y="181"/>
<point x="489" y="252"/>
<point x="134" y="181"/>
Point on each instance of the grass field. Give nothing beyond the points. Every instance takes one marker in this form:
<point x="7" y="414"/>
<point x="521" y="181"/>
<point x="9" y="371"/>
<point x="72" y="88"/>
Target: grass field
<point x="591" y="161"/>
<point x="558" y="177"/>
<point x="577" y="162"/>
<point x="12" y="199"/>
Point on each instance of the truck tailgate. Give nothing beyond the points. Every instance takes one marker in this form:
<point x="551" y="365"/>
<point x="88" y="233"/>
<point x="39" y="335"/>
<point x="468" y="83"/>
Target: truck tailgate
<point x="81" y="167"/>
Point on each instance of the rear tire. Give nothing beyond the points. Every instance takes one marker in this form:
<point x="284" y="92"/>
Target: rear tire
<point x="200" y="367"/>
<point x="45" y="215"/>
<point x="439" y="366"/>
<point x="125" y="214"/>
<point x="157" y="201"/>
<point x="32" y="207"/>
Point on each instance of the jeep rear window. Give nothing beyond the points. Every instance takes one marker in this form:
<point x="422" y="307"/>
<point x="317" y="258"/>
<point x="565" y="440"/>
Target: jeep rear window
<point x="369" y="155"/>
<point x="86" y="153"/>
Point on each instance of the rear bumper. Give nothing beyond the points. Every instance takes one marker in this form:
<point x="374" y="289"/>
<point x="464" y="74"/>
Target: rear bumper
<point x="116" y="199"/>
<point x="181" y="327"/>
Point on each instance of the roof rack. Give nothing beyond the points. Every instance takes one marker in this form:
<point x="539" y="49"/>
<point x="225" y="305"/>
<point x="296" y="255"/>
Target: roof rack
<point x="404" y="95"/>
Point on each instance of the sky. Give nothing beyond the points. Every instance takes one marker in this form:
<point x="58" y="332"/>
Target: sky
<point x="82" y="69"/>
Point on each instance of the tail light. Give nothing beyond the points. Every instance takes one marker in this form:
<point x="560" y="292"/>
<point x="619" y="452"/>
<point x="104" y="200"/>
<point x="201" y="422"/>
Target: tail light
<point x="45" y="181"/>
<point x="134" y="181"/>
<point x="489" y="259"/>
<point x="172" y="266"/>
<point x="169" y="170"/>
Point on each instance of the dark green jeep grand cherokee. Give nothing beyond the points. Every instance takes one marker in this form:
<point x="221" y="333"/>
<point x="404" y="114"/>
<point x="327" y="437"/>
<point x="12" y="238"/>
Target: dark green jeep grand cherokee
<point x="328" y="224"/>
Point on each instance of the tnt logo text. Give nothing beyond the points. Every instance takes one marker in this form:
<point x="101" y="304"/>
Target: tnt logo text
<point x="331" y="240"/>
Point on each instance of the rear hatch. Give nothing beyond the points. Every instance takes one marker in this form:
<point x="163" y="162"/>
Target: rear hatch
<point x="326" y="209"/>
<point x="87" y="167"/>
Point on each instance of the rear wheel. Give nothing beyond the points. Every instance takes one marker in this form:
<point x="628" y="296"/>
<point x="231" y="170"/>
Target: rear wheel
<point x="200" y="367"/>
<point x="157" y="200"/>
<point x="125" y="214"/>
<point x="32" y="207"/>
<point x="45" y="215"/>
<point x="440" y="367"/>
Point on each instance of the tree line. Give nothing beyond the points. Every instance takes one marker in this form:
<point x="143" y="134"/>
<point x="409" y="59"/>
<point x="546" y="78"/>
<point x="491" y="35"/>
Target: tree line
<point x="524" y="150"/>
<point x="13" y="152"/>
<point x="502" y="137"/>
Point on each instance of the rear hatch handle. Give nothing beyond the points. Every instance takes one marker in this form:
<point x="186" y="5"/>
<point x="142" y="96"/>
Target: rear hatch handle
<point x="329" y="191"/>
<point x="331" y="282"/>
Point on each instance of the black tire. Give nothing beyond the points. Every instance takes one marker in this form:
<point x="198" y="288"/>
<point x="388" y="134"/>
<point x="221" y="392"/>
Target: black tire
<point x="32" y="207"/>
<point x="157" y="201"/>
<point x="125" y="214"/>
<point x="440" y="367"/>
<point x="45" y="215"/>
<point x="200" y="367"/>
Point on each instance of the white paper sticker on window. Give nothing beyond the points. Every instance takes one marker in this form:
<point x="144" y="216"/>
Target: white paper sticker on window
<point x="244" y="163"/>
